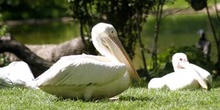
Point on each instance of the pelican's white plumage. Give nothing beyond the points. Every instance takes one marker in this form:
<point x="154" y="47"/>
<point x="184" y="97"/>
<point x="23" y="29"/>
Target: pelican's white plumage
<point x="185" y="76"/>
<point x="17" y="73"/>
<point x="91" y="77"/>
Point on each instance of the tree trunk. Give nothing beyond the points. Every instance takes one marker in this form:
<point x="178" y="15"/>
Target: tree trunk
<point x="40" y="57"/>
<point x="217" y="40"/>
<point x="159" y="13"/>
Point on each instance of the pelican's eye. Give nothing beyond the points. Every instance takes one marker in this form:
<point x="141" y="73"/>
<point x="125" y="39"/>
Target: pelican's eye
<point x="181" y="59"/>
<point x="112" y="32"/>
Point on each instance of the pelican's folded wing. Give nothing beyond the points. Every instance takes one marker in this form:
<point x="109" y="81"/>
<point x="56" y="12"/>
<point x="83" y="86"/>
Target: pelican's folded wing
<point x="203" y="73"/>
<point x="79" y="71"/>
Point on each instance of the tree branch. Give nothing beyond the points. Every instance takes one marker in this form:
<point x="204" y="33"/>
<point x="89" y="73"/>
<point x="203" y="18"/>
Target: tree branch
<point x="37" y="64"/>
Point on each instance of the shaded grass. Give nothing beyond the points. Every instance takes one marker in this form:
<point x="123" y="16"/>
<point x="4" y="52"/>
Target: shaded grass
<point x="137" y="98"/>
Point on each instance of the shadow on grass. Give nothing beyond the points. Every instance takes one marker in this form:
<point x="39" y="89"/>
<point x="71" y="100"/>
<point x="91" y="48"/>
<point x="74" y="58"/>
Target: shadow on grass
<point x="121" y="98"/>
<point x="132" y="98"/>
<point x="216" y="82"/>
<point x="141" y="83"/>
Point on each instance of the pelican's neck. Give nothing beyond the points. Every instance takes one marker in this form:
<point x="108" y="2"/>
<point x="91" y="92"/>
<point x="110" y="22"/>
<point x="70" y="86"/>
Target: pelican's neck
<point x="103" y="50"/>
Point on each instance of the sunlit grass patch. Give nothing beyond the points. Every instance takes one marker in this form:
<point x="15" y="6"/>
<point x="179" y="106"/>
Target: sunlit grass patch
<point x="137" y="98"/>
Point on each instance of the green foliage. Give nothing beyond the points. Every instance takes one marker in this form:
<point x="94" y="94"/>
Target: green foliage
<point x="26" y="9"/>
<point x="3" y="28"/>
<point x="194" y="55"/>
<point x="125" y="15"/>
<point x="3" y="60"/>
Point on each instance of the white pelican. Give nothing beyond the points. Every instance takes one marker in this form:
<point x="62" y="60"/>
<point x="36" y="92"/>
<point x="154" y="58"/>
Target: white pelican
<point x="91" y="77"/>
<point x="17" y="73"/>
<point x="185" y="76"/>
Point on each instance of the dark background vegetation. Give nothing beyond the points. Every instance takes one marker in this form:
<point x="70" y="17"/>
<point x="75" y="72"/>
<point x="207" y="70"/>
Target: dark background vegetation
<point x="28" y="9"/>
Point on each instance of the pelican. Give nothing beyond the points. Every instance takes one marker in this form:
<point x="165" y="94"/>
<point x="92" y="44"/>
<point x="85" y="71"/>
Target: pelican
<point x="17" y="73"/>
<point x="91" y="77"/>
<point x="185" y="76"/>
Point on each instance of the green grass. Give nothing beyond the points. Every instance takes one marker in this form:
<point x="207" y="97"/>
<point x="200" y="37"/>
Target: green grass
<point x="135" y="98"/>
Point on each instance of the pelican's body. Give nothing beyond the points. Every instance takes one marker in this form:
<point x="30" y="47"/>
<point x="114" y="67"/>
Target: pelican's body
<point x="17" y="73"/>
<point x="185" y="76"/>
<point x="91" y="77"/>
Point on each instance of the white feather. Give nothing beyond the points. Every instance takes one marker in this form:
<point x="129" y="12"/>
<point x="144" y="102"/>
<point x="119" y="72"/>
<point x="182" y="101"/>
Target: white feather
<point x="81" y="68"/>
<point x="17" y="73"/>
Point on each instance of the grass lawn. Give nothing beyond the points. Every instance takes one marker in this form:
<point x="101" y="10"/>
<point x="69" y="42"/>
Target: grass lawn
<point x="138" y="98"/>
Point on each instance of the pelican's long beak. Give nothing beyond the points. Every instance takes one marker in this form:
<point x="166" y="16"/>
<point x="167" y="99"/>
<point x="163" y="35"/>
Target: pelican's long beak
<point x="116" y="48"/>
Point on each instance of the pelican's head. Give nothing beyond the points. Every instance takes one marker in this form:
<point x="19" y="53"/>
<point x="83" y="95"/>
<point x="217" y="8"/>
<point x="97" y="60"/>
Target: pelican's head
<point x="179" y="60"/>
<point x="100" y="33"/>
<point x="105" y="40"/>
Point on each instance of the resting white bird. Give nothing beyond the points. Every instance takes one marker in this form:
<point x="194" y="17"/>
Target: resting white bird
<point x="185" y="76"/>
<point x="17" y="73"/>
<point x="91" y="77"/>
